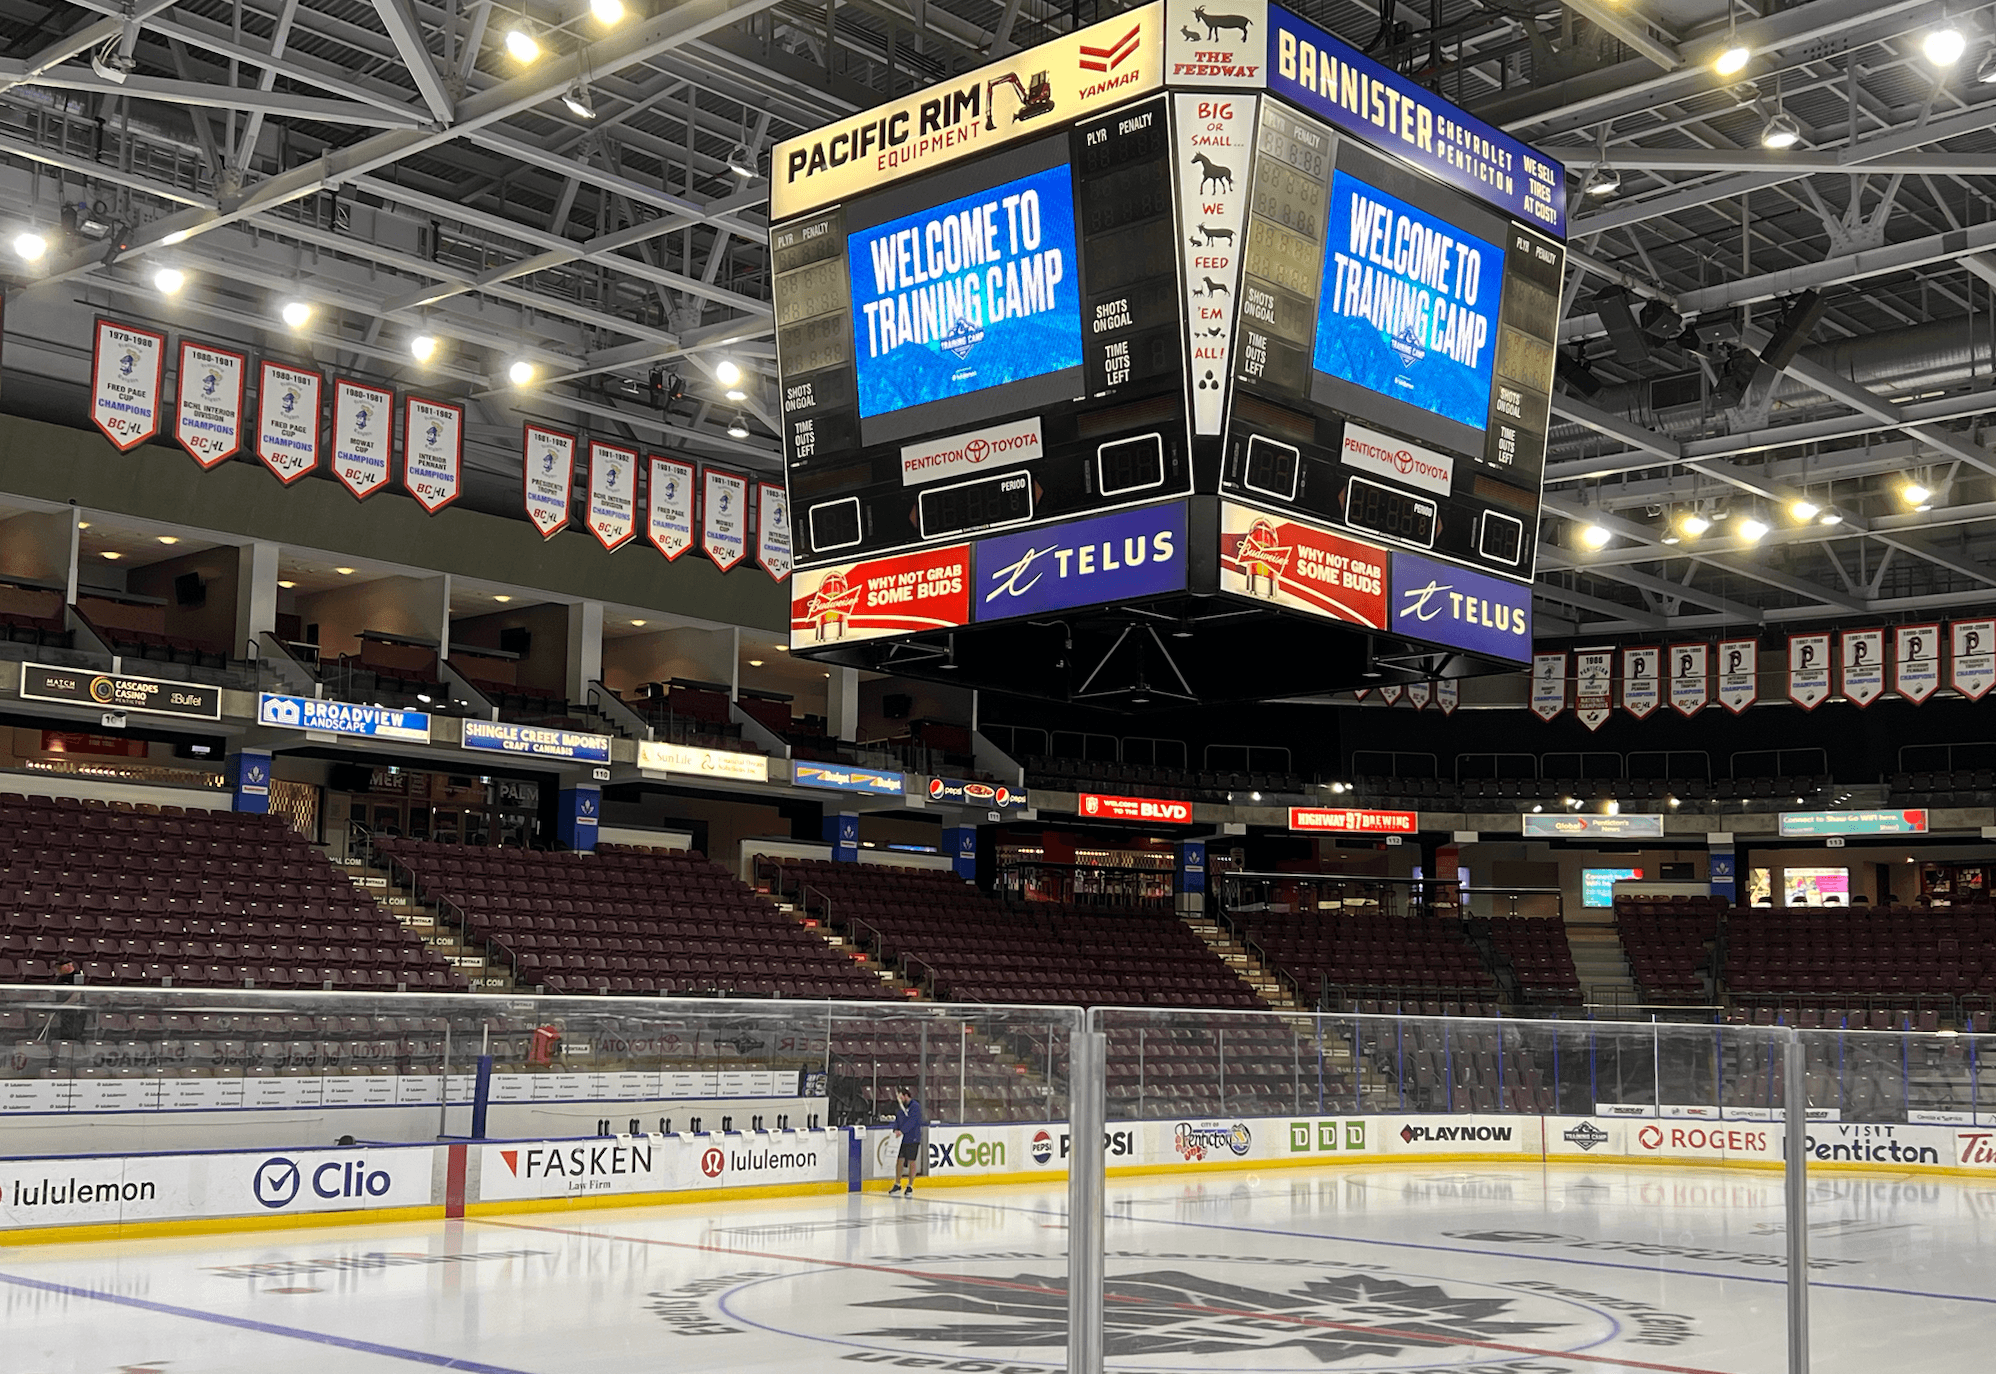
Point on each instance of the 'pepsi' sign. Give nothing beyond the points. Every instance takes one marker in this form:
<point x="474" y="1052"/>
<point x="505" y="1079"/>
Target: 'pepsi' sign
<point x="1114" y="557"/>
<point x="1446" y="604"/>
<point x="984" y="796"/>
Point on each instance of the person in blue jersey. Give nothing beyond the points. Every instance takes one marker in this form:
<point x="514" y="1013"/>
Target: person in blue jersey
<point x="908" y="1124"/>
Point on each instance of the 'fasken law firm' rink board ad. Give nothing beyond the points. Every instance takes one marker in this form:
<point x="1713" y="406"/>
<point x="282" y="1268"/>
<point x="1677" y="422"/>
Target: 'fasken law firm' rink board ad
<point x="657" y="1164"/>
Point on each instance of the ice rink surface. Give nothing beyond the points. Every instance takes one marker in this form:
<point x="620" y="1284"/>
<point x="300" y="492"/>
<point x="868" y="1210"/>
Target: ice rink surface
<point x="1520" y="1270"/>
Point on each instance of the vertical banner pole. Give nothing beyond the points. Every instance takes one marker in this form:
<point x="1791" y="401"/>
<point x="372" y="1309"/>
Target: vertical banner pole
<point x="1796" y="1098"/>
<point x="1087" y="1110"/>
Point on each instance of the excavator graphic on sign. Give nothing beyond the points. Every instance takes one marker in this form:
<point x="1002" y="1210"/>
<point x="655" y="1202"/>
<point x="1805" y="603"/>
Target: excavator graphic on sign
<point x="1035" y="97"/>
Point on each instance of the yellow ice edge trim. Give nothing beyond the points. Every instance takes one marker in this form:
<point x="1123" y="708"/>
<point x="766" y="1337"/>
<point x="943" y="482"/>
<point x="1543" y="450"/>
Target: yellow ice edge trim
<point x="595" y="1201"/>
<point x="209" y="1226"/>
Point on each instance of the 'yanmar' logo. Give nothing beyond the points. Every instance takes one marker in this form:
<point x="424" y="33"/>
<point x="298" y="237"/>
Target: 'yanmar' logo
<point x="1115" y="55"/>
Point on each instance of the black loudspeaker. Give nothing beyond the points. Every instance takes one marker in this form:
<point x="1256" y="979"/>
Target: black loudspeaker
<point x="1618" y="317"/>
<point x="349" y="777"/>
<point x="1798" y="321"/>
<point x="896" y="705"/>
<point x="1578" y="376"/>
<point x="189" y="590"/>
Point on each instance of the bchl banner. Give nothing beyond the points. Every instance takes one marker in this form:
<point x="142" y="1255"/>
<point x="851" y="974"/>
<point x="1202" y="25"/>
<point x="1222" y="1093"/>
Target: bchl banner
<point x="1916" y="661"/>
<point x="1548" y="685"/>
<point x="209" y="416"/>
<point x="287" y="420"/>
<point x="433" y="452"/>
<point x="1642" y="681"/>
<point x="612" y="494"/>
<point x="1419" y="694"/>
<point x="1690" y="678"/>
<point x="1809" y="670"/>
<point x="1972" y="657"/>
<point x="1739" y="673"/>
<point x="723" y="517"/>
<point x="363" y="436"/>
<point x="669" y="507"/>
<point x="127" y="368"/>
<point x="1862" y="658"/>
<point x="1448" y="695"/>
<point x="547" y="472"/>
<point x="772" y="538"/>
<point x="1593" y="686"/>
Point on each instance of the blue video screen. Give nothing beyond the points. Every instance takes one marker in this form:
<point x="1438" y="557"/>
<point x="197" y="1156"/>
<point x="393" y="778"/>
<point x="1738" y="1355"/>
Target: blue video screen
<point x="967" y="295"/>
<point x="1408" y="306"/>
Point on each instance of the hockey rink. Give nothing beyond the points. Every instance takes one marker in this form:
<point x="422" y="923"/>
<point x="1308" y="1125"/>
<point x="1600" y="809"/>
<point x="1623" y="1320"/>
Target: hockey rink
<point x="1520" y="1270"/>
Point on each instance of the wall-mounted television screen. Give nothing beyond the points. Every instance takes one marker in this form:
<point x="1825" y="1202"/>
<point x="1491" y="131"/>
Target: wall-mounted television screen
<point x="1597" y="885"/>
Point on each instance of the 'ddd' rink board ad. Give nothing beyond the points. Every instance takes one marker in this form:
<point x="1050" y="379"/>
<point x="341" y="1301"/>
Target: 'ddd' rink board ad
<point x="1179" y="256"/>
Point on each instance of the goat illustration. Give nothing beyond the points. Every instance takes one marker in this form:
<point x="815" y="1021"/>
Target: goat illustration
<point x="1191" y="35"/>
<point x="1215" y="22"/>
<point x="1205" y="237"/>
<point x="1213" y="174"/>
<point x="1213" y="288"/>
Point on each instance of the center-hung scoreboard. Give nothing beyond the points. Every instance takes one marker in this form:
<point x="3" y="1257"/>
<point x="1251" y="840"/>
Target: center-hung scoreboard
<point x="1184" y="318"/>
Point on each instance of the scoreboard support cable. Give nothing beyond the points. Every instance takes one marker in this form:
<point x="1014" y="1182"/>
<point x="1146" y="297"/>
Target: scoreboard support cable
<point x="1188" y="356"/>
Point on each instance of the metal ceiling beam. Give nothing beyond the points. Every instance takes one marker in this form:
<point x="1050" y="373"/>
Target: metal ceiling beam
<point x="562" y="164"/>
<point x="407" y="35"/>
<point x="1645" y="35"/>
<point x="1796" y="161"/>
<point x="20" y="71"/>
<point x="204" y="95"/>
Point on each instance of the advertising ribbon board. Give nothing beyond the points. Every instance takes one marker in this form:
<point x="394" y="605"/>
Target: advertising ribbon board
<point x="534" y="741"/>
<point x="1460" y="608"/>
<point x="613" y="483"/>
<point x="1212" y="218"/>
<point x="838" y="778"/>
<point x="1597" y="827"/>
<point x="342" y="718"/>
<point x="208" y="418"/>
<point x="772" y="530"/>
<point x="669" y="507"/>
<point x="1916" y="661"/>
<point x="1096" y="806"/>
<point x="1690" y="678"/>
<point x="724" y="517"/>
<point x="1642" y="681"/>
<point x="982" y="796"/>
<point x="1805" y="823"/>
<point x="1321" y="820"/>
<point x="1972" y="657"/>
<point x="1548" y="685"/>
<point x="1809" y="670"/>
<point x="925" y="590"/>
<point x="1861" y="655"/>
<point x="287" y="420"/>
<point x="658" y="756"/>
<point x="121" y="692"/>
<point x="547" y="475"/>
<point x="127" y="372"/>
<point x="363" y="436"/>
<point x="433" y="452"/>
<point x="1302" y="566"/>
<point x="1739" y="673"/>
<point x="1115" y="557"/>
<point x="1593" y="686"/>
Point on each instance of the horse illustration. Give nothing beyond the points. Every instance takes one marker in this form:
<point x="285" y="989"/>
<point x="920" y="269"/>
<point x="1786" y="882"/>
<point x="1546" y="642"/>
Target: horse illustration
<point x="1215" y="22"/>
<point x="1213" y="174"/>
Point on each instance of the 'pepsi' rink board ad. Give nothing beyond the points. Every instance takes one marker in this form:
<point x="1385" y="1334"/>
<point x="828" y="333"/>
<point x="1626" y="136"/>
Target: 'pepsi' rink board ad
<point x="1173" y="258"/>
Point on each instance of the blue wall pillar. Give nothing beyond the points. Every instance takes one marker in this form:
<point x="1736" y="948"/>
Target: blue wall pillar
<point x="249" y="776"/>
<point x="960" y="847"/>
<point x="580" y="807"/>
<point x="842" y="834"/>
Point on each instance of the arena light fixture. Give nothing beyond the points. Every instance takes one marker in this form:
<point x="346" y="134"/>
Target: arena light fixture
<point x="1732" y="60"/>
<point x="1752" y="529"/>
<point x="1803" y="510"/>
<point x="1781" y="132"/>
<point x="502" y="598"/>
<point x="296" y="314"/>
<point x="344" y="572"/>
<point x="169" y="539"/>
<point x="177" y="237"/>
<point x="607" y="12"/>
<point x="520" y="373"/>
<point x="1830" y="517"/>
<point x="113" y="555"/>
<point x="30" y="246"/>
<point x="423" y="347"/>
<point x="1606" y="182"/>
<point x="755" y="663"/>
<point x="1985" y="71"/>
<point x="1944" y="45"/>
<point x="738" y="427"/>
<point x="1337" y="787"/>
<point x="1693" y="524"/>
<point x="1596" y="536"/>
<point x="169" y="280"/>
<point x="576" y="98"/>
<point x="520" y="45"/>
<point x="728" y="372"/>
<point x="286" y="583"/>
<point x="639" y="624"/>
<point x="1916" y="495"/>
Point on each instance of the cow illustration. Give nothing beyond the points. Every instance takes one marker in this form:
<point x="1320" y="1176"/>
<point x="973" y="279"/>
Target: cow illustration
<point x="1213" y="174"/>
<point x="1206" y="237"/>
<point x="1215" y="22"/>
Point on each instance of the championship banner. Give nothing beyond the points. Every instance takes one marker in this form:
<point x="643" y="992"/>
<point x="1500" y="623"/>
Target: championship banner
<point x="723" y="517"/>
<point x="1548" y="685"/>
<point x="1212" y="222"/>
<point x="1301" y="566"/>
<point x="547" y="473"/>
<point x="287" y="420"/>
<point x="1916" y="661"/>
<point x="1448" y="695"/>
<point x="1593" y="686"/>
<point x="208" y="420"/>
<point x="613" y="475"/>
<point x="433" y="452"/>
<point x="1690" y="678"/>
<point x="772" y="529"/>
<point x="669" y="507"/>
<point x="1391" y="695"/>
<point x="127" y="367"/>
<point x="1809" y="670"/>
<point x="928" y="589"/>
<point x="1419" y="694"/>
<point x="1739" y="673"/>
<point x="1642" y="681"/>
<point x="363" y="436"/>
<point x="1861" y="654"/>
<point x="1972" y="657"/>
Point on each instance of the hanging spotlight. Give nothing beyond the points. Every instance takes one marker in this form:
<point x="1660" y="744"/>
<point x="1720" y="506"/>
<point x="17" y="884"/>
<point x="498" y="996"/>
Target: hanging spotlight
<point x="1916" y="495"/>
<point x="1803" y="510"/>
<point x="169" y="280"/>
<point x="1944" y="45"/>
<point x="1752" y="529"/>
<point x="578" y="102"/>
<point x="607" y="12"/>
<point x="296" y="314"/>
<point x="520" y="45"/>
<point x="1732" y="61"/>
<point x="30" y="246"/>
<point x="1830" y="517"/>
<point x="1606" y="182"/>
<point x="738" y="427"/>
<point x="423" y="347"/>
<point x="1781" y="132"/>
<point x="1595" y="536"/>
<point x="178" y="236"/>
<point x="728" y="372"/>
<point x="742" y="162"/>
<point x="1693" y="524"/>
<point x="1985" y="71"/>
<point x="520" y="373"/>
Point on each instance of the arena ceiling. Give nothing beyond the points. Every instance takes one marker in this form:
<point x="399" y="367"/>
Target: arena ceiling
<point x="400" y="169"/>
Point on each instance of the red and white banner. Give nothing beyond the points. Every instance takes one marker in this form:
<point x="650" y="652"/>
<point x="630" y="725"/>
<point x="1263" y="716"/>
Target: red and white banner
<point x="613" y="485"/>
<point x="1419" y="694"/>
<point x="363" y="436"/>
<point x="1593" y="686"/>
<point x="1690" y="678"/>
<point x="433" y="452"/>
<point x="1548" y="685"/>
<point x="1809" y="670"/>
<point x="1642" y="681"/>
<point x="547" y="477"/>
<point x="772" y="529"/>
<point x="127" y="378"/>
<point x="1391" y="695"/>
<point x="928" y="589"/>
<point x="724" y="517"/>
<point x="1448" y="695"/>
<point x="1096" y="806"/>
<point x="208" y="418"/>
<point x="1301" y="566"/>
<point x="1739" y="673"/>
<point x="1916" y="661"/>
<point x="1352" y="821"/>
<point x="287" y="420"/>
<point x="1972" y="657"/>
<point x="669" y="507"/>
<point x="1861" y="655"/>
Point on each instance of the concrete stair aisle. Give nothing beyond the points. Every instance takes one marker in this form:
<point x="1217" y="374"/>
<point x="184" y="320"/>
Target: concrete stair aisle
<point x="1263" y="980"/>
<point x="436" y="930"/>
<point x="1600" y="961"/>
<point x="848" y="950"/>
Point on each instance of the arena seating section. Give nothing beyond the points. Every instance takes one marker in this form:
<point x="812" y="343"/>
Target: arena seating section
<point x="1540" y="958"/>
<point x="1813" y="954"/>
<point x="977" y="950"/>
<point x="1667" y="942"/>
<point x="628" y="920"/>
<point x="1359" y="948"/>
<point x="206" y="898"/>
